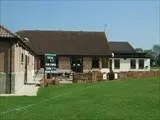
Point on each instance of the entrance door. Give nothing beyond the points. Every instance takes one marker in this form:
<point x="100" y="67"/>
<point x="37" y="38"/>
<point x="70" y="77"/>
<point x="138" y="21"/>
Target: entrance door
<point x="25" y="73"/>
<point x="77" y="64"/>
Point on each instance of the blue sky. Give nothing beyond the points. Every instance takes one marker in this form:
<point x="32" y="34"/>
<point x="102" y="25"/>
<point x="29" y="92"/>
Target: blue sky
<point x="137" y="22"/>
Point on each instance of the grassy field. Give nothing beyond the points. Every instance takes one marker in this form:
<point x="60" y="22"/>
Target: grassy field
<point x="134" y="99"/>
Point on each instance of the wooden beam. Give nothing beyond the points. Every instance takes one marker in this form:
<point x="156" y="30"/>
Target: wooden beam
<point x="110" y="64"/>
<point x="100" y="63"/>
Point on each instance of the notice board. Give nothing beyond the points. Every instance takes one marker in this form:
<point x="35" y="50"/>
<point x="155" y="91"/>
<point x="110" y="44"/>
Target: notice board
<point x="50" y="63"/>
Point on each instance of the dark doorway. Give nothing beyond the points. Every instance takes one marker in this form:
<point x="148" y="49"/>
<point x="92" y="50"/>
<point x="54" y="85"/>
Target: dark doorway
<point x="42" y="63"/>
<point x="110" y="64"/>
<point x="25" y="72"/>
<point x="77" y="63"/>
<point x="42" y="58"/>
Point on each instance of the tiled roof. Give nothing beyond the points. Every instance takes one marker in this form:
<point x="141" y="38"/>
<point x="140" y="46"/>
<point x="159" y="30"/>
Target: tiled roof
<point x="121" y="47"/>
<point x="4" y="32"/>
<point x="125" y="50"/>
<point x="67" y="42"/>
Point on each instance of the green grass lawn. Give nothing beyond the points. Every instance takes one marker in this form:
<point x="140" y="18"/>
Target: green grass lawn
<point x="133" y="99"/>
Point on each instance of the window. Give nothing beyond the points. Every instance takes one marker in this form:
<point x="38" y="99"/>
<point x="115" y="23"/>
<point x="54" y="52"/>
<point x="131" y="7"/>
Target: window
<point x="141" y="64"/>
<point x="95" y="62"/>
<point x="22" y="58"/>
<point x="57" y="62"/>
<point x="133" y="64"/>
<point x="28" y="60"/>
<point x="117" y="63"/>
<point x="104" y="63"/>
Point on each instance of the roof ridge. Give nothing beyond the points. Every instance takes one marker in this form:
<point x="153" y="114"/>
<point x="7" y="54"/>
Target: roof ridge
<point x="61" y="31"/>
<point x="119" y="41"/>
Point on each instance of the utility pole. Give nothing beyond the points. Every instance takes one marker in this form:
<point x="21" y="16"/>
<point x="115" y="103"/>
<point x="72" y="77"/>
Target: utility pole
<point x="105" y="27"/>
<point x="109" y="60"/>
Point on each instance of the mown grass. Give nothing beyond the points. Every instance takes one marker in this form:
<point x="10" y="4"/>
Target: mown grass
<point x="132" y="99"/>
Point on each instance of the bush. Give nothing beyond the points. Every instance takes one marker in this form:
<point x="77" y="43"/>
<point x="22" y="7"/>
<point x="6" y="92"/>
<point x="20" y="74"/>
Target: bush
<point x="110" y="75"/>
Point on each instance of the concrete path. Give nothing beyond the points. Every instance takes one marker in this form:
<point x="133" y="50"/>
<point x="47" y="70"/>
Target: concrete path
<point x="29" y="89"/>
<point x="26" y="90"/>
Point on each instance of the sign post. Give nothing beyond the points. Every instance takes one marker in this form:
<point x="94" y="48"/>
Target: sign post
<point x="49" y="64"/>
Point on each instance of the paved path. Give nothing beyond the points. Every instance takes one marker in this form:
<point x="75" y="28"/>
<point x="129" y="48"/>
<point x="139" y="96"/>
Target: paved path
<point x="26" y="90"/>
<point x="30" y="89"/>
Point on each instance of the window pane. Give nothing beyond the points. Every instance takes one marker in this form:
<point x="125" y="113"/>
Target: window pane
<point x="22" y="59"/>
<point x="28" y="60"/>
<point x="117" y="64"/>
<point x="57" y="61"/>
<point x="104" y="63"/>
<point x="133" y="64"/>
<point x="141" y="64"/>
<point x="95" y="62"/>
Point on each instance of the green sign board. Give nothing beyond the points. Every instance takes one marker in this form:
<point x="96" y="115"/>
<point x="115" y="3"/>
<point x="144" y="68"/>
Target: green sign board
<point x="50" y="63"/>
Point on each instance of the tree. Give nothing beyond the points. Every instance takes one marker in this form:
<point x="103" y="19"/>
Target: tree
<point x="156" y="54"/>
<point x="148" y="53"/>
<point x="153" y="53"/>
<point x="156" y="48"/>
<point x="139" y="50"/>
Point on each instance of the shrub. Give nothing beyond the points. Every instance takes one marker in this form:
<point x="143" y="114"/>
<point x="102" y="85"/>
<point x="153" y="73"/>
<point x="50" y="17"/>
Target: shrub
<point x="110" y="75"/>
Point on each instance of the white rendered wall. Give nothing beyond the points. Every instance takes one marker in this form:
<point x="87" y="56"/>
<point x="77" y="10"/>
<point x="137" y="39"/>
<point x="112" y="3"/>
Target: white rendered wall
<point x="125" y="65"/>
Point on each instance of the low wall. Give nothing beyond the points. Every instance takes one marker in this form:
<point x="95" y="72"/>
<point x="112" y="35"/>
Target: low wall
<point x="98" y="76"/>
<point x="139" y="74"/>
<point x="87" y="77"/>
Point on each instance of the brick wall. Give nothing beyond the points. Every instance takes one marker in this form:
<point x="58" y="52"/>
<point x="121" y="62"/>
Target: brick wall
<point x="87" y="63"/>
<point x="5" y="83"/>
<point x="37" y="63"/>
<point x="5" y="57"/>
<point x="20" y="66"/>
<point x="87" y="77"/>
<point x="64" y="63"/>
<point x="1" y="60"/>
<point x="5" y="68"/>
<point x="139" y="74"/>
<point x="98" y="76"/>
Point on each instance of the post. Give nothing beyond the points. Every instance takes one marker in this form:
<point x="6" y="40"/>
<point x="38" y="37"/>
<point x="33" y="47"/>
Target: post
<point x="49" y="64"/>
<point x="100" y="63"/>
<point x="44" y="71"/>
<point x="110" y="64"/>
